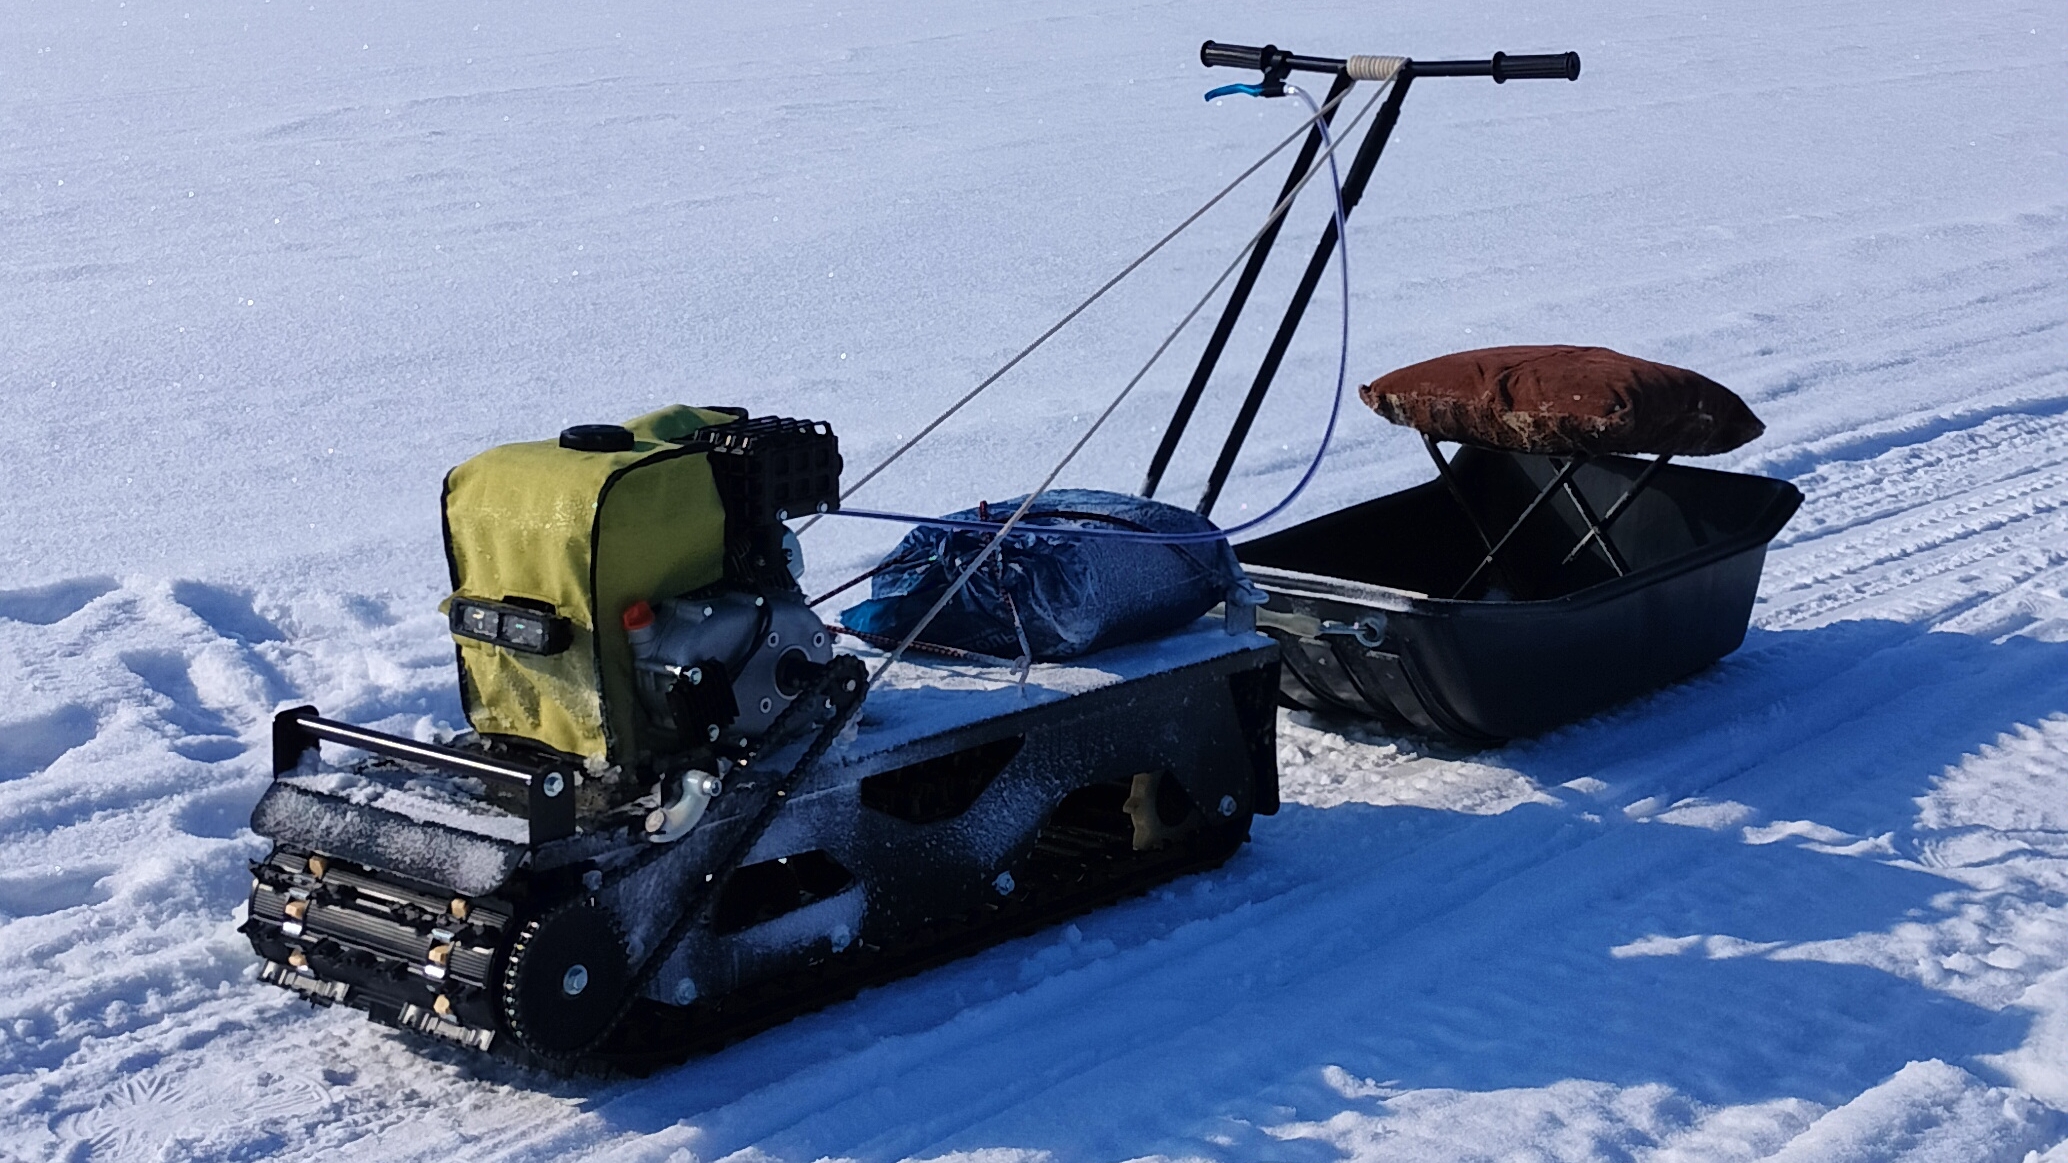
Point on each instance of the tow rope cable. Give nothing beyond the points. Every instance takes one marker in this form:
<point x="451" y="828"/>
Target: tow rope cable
<point x="1094" y="297"/>
<point x="998" y="537"/>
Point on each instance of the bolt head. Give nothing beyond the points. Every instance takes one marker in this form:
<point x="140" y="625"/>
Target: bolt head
<point x="1227" y="805"/>
<point x="575" y="980"/>
<point x="555" y="784"/>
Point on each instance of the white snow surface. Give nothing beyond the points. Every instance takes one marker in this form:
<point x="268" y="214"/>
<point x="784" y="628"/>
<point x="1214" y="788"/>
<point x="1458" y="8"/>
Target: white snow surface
<point x="271" y="267"/>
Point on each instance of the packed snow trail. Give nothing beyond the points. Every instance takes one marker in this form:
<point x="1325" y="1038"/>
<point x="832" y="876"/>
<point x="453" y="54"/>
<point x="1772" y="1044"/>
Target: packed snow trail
<point x="273" y="268"/>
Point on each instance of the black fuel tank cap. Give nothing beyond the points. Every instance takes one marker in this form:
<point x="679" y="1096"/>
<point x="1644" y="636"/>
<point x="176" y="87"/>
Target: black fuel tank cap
<point x="597" y="438"/>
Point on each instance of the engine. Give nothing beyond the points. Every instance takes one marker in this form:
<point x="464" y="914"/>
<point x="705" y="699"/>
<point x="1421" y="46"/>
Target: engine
<point x="626" y="596"/>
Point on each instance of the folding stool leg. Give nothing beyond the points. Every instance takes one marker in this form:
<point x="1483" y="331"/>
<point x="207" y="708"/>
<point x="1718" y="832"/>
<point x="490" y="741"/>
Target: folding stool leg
<point x="1595" y="533"/>
<point x="1565" y="474"/>
<point x="1616" y="510"/>
<point x="1457" y="491"/>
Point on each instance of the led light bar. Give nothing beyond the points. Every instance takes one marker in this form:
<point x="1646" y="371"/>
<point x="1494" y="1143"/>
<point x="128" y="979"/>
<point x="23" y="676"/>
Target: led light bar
<point x="516" y="627"/>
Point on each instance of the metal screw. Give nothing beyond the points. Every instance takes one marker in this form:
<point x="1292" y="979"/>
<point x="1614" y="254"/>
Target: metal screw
<point x="714" y="732"/>
<point x="819" y="639"/>
<point x="1227" y="805"/>
<point x="766" y="705"/>
<point x="555" y="784"/>
<point x="774" y="639"/>
<point x="575" y="980"/>
<point x="1004" y="884"/>
<point x="695" y="674"/>
<point x="685" y="992"/>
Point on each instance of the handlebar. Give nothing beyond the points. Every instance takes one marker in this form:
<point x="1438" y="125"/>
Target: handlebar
<point x="1265" y="59"/>
<point x="1501" y="66"/>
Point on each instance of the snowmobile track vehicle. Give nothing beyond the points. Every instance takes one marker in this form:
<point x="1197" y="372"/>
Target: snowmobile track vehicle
<point x="575" y="885"/>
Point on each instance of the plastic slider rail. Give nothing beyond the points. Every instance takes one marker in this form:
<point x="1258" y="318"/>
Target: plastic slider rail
<point x="1502" y="67"/>
<point x="549" y="794"/>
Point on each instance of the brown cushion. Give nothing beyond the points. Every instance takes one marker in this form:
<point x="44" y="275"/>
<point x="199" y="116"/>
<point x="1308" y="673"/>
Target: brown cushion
<point x="1563" y="400"/>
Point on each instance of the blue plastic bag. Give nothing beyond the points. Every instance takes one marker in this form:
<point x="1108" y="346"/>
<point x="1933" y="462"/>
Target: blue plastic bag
<point x="1052" y="596"/>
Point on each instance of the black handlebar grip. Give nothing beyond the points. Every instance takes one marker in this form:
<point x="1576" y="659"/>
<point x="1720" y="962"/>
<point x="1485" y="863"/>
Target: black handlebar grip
<point x="1563" y="66"/>
<point x="1237" y="56"/>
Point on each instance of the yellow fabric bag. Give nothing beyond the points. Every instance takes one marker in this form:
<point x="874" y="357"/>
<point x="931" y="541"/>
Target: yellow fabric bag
<point x="589" y="533"/>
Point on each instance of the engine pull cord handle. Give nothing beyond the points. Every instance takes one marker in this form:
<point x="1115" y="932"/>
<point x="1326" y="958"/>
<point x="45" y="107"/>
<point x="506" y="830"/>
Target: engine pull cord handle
<point x="1502" y="67"/>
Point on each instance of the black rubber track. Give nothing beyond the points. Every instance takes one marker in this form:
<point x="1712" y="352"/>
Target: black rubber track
<point x="1068" y="875"/>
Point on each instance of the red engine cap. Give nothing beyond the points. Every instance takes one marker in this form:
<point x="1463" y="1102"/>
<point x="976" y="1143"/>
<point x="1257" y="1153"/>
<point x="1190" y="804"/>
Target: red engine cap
<point x="638" y="616"/>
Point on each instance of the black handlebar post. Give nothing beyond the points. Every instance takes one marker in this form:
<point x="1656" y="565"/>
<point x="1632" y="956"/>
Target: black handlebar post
<point x="1354" y="182"/>
<point x="1238" y="298"/>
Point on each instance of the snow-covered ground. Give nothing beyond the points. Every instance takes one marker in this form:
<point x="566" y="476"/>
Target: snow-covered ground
<point x="268" y="268"/>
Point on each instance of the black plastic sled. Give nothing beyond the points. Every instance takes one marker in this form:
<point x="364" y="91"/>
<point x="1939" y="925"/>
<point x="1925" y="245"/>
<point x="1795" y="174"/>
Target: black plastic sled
<point x="1361" y="599"/>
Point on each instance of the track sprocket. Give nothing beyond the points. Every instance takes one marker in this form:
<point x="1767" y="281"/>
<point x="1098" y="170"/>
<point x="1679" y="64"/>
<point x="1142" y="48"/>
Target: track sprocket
<point x="565" y="981"/>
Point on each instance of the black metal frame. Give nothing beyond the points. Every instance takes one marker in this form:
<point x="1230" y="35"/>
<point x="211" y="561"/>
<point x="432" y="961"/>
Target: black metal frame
<point x="1597" y="527"/>
<point x="1275" y="63"/>
<point x="549" y="791"/>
